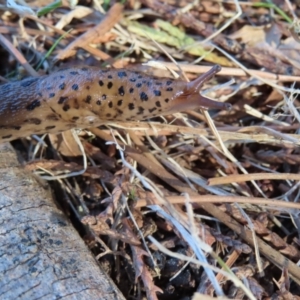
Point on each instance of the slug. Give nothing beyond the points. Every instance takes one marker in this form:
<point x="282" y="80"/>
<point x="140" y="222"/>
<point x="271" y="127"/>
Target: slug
<point x="87" y="96"/>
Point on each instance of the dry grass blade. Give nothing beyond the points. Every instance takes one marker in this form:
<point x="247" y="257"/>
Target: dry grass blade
<point x="253" y="176"/>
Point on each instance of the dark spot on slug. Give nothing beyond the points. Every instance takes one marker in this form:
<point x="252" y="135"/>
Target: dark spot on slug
<point x="140" y="76"/>
<point x="132" y="79"/>
<point x="104" y="97"/>
<point x="109" y="85"/>
<point x="7" y="136"/>
<point x="62" y="100"/>
<point x="121" y="91"/>
<point x="51" y="95"/>
<point x="108" y="115"/>
<point x="110" y="104"/>
<point x="143" y="96"/>
<point x="109" y="77"/>
<point x="141" y="110"/>
<point x="49" y="88"/>
<point x="66" y="107"/>
<point x="101" y="83"/>
<point x="88" y="99"/>
<point x="52" y="117"/>
<point x="122" y="74"/>
<point x="131" y="106"/>
<point x="34" y="104"/>
<point x="152" y="109"/>
<point x="29" y="82"/>
<point x="157" y="93"/>
<point x="157" y="103"/>
<point x="167" y="100"/>
<point x="120" y="102"/>
<point x="35" y="121"/>
<point x="131" y="90"/>
<point x="50" y="127"/>
<point x="169" y="89"/>
<point x="75" y="87"/>
<point x="76" y="105"/>
<point x="144" y="81"/>
<point x="120" y="112"/>
<point x="158" y="83"/>
<point x="62" y="76"/>
<point x="75" y="118"/>
<point x="138" y="85"/>
<point x="149" y="83"/>
<point x="17" y="127"/>
<point x="169" y="82"/>
<point x="88" y="87"/>
<point x="98" y="102"/>
<point x="62" y="86"/>
<point x="84" y="69"/>
<point x="73" y="72"/>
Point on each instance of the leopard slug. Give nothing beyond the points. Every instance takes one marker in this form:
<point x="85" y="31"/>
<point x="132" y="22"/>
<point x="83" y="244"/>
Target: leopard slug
<point x="82" y="97"/>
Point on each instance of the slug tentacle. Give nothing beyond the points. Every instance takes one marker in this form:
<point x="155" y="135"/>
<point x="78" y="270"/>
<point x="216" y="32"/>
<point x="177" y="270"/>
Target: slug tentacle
<point x="198" y="83"/>
<point x="87" y="96"/>
<point x="191" y="97"/>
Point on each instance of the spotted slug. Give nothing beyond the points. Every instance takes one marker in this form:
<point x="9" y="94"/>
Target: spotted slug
<point x="88" y="96"/>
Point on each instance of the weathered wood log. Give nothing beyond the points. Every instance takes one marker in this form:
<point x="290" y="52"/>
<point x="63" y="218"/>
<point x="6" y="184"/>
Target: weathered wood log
<point x="41" y="255"/>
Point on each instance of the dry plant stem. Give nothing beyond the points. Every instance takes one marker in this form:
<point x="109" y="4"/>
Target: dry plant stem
<point x="226" y="71"/>
<point x="267" y="203"/>
<point x="253" y="176"/>
<point x="246" y="234"/>
<point x="227" y="136"/>
<point x="19" y="57"/>
<point x="196" y="115"/>
<point x="256" y="113"/>
<point x="277" y="135"/>
<point x="11" y="30"/>
<point x="112" y="17"/>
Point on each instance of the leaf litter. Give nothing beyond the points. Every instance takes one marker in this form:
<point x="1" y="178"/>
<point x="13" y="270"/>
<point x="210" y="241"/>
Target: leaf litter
<point x="197" y="204"/>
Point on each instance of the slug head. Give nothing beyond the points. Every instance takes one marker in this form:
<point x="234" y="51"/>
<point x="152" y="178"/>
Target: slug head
<point x="191" y="98"/>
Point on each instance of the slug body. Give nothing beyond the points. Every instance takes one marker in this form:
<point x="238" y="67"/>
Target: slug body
<point x="88" y="96"/>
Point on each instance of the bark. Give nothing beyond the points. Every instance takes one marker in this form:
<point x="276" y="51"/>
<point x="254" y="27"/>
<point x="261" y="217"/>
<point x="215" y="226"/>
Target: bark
<point x="41" y="254"/>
